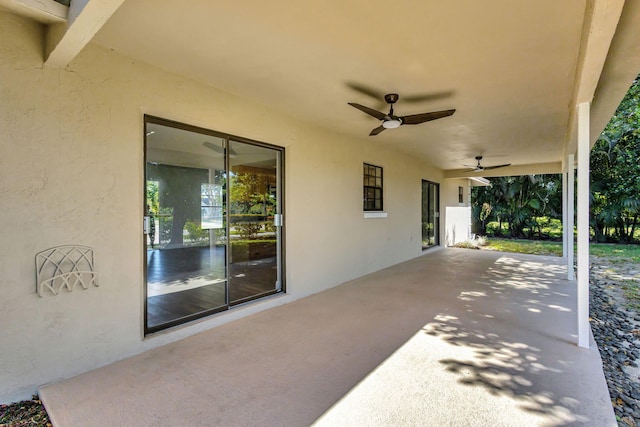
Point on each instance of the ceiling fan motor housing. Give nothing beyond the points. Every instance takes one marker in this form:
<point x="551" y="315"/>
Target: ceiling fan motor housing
<point x="391" y="98"/>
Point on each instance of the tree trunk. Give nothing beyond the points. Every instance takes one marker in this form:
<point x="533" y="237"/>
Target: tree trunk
<point x="633" y="228"/>
<point x="597" y="231"/>
<point x="622" y="231"/>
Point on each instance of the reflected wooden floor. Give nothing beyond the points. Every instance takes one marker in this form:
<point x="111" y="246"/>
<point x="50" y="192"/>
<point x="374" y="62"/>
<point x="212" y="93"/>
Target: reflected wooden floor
<point x="176" y="268"/>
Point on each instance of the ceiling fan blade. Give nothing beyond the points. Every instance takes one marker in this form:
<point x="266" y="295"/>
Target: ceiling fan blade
<point x="428" y="96"/>
<point x="497" y="166"/>
<point x="370" y="111"/>
<point x="377" y="130"/>
<point x="366" y="90"/>
<point x="217" y="148"/>
<point x="416" y="119"/>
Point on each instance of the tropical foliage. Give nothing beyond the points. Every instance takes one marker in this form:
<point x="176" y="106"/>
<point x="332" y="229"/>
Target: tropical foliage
<point x="519" y="201"/>
<point x="615" y="174"/>
<point x="252" y="204"/>
<point x="527" y="206"/>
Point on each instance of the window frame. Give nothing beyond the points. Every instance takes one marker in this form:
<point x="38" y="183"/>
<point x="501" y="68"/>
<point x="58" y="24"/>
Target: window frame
<point x="372" y="188"/>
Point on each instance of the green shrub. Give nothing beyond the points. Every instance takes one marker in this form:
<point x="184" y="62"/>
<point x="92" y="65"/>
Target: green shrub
<point x="248" y="230"/>
<point x="493" y="228"/>
<point x="468" y="244"/>
<point x="482" y="241"/>
<point x="196" y="234"/>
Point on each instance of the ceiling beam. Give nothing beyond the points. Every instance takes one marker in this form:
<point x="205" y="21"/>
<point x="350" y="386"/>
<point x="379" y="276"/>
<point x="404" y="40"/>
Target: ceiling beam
<point x="43" y="11"/>
<point x="600" y="24"/>
<point x="601" y="21"/>
<point x="64" y="42"/>
<point x="622" y="67"/>
<point x="515" y="170"/>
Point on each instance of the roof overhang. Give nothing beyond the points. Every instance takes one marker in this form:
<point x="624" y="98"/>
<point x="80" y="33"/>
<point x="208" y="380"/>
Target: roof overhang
<point x="514" y="73"/>
<point x="478" y="181"/>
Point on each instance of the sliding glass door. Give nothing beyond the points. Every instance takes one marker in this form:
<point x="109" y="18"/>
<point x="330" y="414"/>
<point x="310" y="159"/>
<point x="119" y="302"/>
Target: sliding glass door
<point x="212" y="222"/>
<point x="430" y="214"/>
<point x="254" y="216"/>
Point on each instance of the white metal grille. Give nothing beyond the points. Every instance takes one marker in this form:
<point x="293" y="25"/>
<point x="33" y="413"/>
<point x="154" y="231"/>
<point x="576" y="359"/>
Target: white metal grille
<point x="65" y="267"/>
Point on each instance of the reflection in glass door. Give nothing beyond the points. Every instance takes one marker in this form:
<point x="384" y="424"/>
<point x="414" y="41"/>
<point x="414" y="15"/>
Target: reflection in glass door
<point x="212" y="222"/>
<point x="254" y="213"/>
<point x="430" y="214"/>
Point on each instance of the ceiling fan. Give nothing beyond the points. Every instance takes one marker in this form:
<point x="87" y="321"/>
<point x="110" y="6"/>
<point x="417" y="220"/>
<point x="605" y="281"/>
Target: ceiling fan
<point x="480" y="168"/>
<point x="413" y="98"/>
<point x="391" y="121"/>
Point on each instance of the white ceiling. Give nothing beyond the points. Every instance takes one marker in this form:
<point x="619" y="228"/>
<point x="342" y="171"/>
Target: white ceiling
<point x="515" y="69"/>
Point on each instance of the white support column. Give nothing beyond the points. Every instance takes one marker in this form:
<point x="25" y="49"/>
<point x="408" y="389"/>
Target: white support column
<point x="571" y="180"/>
<point x="583" y="224"/>
<point x="565" y="231"/>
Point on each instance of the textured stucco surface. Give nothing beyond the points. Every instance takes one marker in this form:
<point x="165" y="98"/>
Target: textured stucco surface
<point x="71" y="172"/>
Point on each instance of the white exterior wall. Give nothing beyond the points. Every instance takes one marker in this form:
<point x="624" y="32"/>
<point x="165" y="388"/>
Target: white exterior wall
<point x="457" y="215"/>
<point x="71" y="172"/>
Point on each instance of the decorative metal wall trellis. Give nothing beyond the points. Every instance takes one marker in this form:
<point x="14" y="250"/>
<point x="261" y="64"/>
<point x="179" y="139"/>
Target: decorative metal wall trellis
<point x="65" y="267"/>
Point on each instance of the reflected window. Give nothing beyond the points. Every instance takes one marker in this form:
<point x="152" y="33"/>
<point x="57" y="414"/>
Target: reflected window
<point x="211" y="206"/>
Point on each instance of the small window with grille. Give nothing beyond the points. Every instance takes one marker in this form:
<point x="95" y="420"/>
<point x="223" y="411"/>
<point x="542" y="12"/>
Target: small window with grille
<point x="372" y="188"/>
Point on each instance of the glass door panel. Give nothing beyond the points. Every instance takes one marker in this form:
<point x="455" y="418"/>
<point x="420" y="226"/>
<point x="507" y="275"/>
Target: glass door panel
<point x="430" y="214"/>
<point x="254" y="222"/>
<point x="185" y="225"/>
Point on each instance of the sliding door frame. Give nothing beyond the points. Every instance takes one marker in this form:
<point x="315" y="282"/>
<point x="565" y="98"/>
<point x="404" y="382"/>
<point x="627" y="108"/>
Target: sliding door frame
<point x="281" y="230"/>
<point x="436" y="214"/>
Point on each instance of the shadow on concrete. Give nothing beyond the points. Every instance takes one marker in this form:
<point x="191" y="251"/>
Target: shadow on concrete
<point x="519" y="319"/>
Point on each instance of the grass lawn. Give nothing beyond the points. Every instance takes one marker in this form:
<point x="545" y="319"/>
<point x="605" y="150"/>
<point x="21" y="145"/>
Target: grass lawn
<point x="624" y="253"/>
<point x="621" y="252"/>
<point x="535" y="247"/>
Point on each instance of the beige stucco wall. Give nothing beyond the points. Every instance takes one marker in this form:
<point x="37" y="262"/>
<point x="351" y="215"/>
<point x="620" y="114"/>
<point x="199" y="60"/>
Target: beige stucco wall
<point x="71" y="172"/>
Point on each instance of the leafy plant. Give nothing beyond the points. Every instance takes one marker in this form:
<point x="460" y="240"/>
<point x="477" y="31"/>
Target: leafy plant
<point x="517" y="201"/>
<point x="196" y="234"/>
<point x="269" y="227"/>
<point x="153" y="205"/>
<point x="482" y="241"/>
<point x="485" y="212"/>
<point x="615" y="174"/>
<point x="467" y="244"/>
<point x="248" y="230"/>
<point x="250" y="194"/>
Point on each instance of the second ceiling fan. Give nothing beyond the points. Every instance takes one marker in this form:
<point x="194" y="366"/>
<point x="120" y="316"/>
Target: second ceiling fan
<point x="480" y="168"/>
<point x="391" y="121"/>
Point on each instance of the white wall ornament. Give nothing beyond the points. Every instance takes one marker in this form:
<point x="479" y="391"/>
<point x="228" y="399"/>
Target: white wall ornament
<point x="65" y="267"/>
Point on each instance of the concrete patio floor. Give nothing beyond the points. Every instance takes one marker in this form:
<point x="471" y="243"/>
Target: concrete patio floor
<point x="452" y="338"/>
